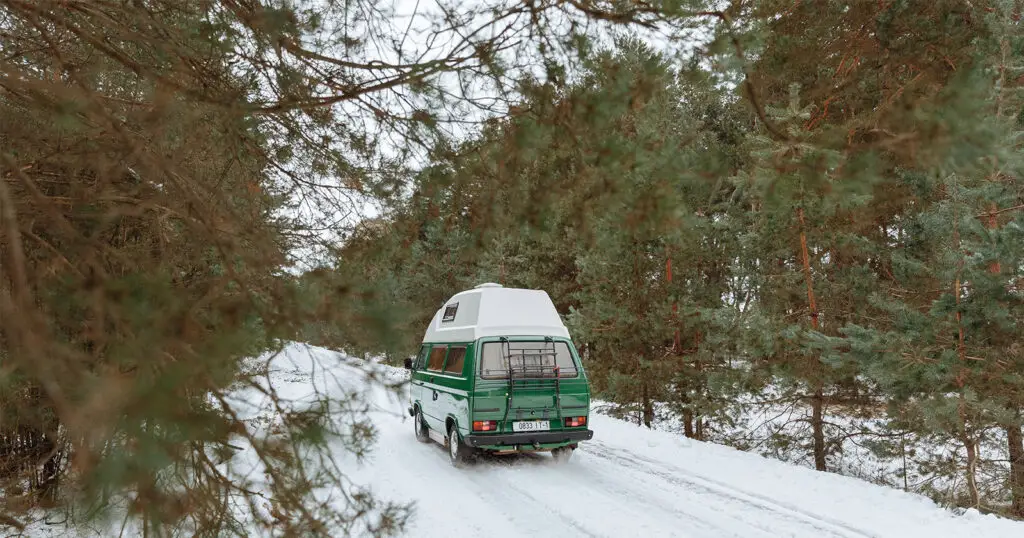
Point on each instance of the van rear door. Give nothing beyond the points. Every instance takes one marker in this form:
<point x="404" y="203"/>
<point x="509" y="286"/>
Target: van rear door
<point x="529" y="385"/>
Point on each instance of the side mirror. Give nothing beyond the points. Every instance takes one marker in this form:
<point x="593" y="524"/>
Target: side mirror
<point x="408" y="363"/>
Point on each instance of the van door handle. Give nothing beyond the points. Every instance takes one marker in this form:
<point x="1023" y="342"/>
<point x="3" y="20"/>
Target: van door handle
<point x="435" y="394"/>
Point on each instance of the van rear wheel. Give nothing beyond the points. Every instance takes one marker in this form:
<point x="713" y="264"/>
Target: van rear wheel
<point x="458" y="453"/>
<point x="562" y="454"/>
<point x="421" y="427"/>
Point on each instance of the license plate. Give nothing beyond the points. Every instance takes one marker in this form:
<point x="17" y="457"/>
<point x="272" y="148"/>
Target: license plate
<point x="531" y="426"/>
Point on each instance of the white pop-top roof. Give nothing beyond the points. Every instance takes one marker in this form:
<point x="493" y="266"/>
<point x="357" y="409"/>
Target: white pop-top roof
<point x="492" y="310"/>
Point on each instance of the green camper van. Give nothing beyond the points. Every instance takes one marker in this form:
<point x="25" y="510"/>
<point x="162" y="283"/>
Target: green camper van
<point x="498" y="373"/>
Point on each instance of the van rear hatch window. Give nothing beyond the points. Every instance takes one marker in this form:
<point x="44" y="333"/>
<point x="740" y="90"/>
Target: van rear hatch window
<point x="527" y="359"/>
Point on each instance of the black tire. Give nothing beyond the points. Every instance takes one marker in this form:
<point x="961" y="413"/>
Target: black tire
<point x="420" y="427"/>
<point x="562" y="454"/>
<point x="458" y="453"/>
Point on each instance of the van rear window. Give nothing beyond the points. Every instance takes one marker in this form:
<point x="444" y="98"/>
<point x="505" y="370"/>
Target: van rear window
<point x="529" y="359"/>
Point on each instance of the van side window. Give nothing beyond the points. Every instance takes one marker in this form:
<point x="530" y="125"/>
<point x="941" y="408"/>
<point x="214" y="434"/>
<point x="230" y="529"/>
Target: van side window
<point x="421" y="359"/>
<point x="437" y="358"/>
<point x="456" y="360"/>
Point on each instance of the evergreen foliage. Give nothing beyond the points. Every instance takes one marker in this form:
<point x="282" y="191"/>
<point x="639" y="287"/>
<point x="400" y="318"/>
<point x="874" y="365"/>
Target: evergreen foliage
<point x="736" y="206"/>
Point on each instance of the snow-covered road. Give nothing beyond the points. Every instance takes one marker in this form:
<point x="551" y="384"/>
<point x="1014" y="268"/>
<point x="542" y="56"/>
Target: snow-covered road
<point x="633" y="482"/>
<point x="606" y="491"/>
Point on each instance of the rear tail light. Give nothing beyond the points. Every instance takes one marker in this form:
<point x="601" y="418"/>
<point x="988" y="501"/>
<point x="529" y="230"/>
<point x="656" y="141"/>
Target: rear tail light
<point x="485" y="425"/>
<point x="575" y="422"/>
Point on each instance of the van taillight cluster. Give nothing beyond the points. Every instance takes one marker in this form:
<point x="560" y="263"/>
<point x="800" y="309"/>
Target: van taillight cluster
<point x="575" y="422"/>
<point x="485" y="425"/>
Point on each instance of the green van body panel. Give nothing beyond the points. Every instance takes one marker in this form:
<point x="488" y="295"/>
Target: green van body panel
<point x="446" y="397"/>
<point x="452" y="389"/>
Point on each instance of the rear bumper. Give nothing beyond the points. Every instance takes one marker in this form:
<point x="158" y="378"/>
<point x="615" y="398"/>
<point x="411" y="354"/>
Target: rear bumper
<point x="528" y="438"/>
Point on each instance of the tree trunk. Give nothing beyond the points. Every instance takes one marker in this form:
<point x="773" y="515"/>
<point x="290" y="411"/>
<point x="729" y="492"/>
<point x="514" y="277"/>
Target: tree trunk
<point x="699" y="433"/>
<point x="971" y="446"/>
<point x="648" y="405"/>
<point x="1014" y="439"/>
<point x="972" y="473"/>
<point x="817" y="400"/>
<point x="1015" y="443"/>
<point x="688" y="423"/>
<point x="903" y="451"/>
<point x="676" y="346"/>
<point x="818" y="425"/>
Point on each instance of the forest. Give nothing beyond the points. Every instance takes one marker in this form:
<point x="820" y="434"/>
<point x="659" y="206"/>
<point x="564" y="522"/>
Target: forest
<point x="795" y="228"/>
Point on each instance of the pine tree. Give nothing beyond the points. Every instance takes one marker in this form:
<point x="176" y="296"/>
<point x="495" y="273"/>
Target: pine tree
<point x="916" y="240"/>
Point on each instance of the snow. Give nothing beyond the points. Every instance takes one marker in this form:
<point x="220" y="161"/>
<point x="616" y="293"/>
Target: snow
<point x="493" y="310"/>
<point x="628" y="481"/>
<point x="775" y="423"/>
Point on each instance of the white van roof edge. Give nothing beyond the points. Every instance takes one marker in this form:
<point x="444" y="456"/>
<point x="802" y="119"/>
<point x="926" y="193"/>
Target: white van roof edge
<point x="493" y="310"/>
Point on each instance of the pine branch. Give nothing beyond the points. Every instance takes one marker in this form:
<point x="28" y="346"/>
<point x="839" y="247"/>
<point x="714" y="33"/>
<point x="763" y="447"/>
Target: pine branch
<point x="627" y="16"/>
<point x="995" y="212"/>
<point x="748" y="84"/>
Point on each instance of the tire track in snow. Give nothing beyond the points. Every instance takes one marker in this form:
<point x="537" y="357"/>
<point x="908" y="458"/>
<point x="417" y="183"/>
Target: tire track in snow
<point x="710" y="526"/>
<point x="725" y="507"/>
<point x="710" y="486"/>
<point x="626" y="497"/>
<point x="628" y="500"/>
<point x="486" y="487"/>
<point x="762" y="504"/>
<point x="608" y="493"/>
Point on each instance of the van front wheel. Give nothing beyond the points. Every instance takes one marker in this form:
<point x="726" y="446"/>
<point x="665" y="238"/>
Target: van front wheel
<point x="421" y="427"/>
<point x="458" y="453"/>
